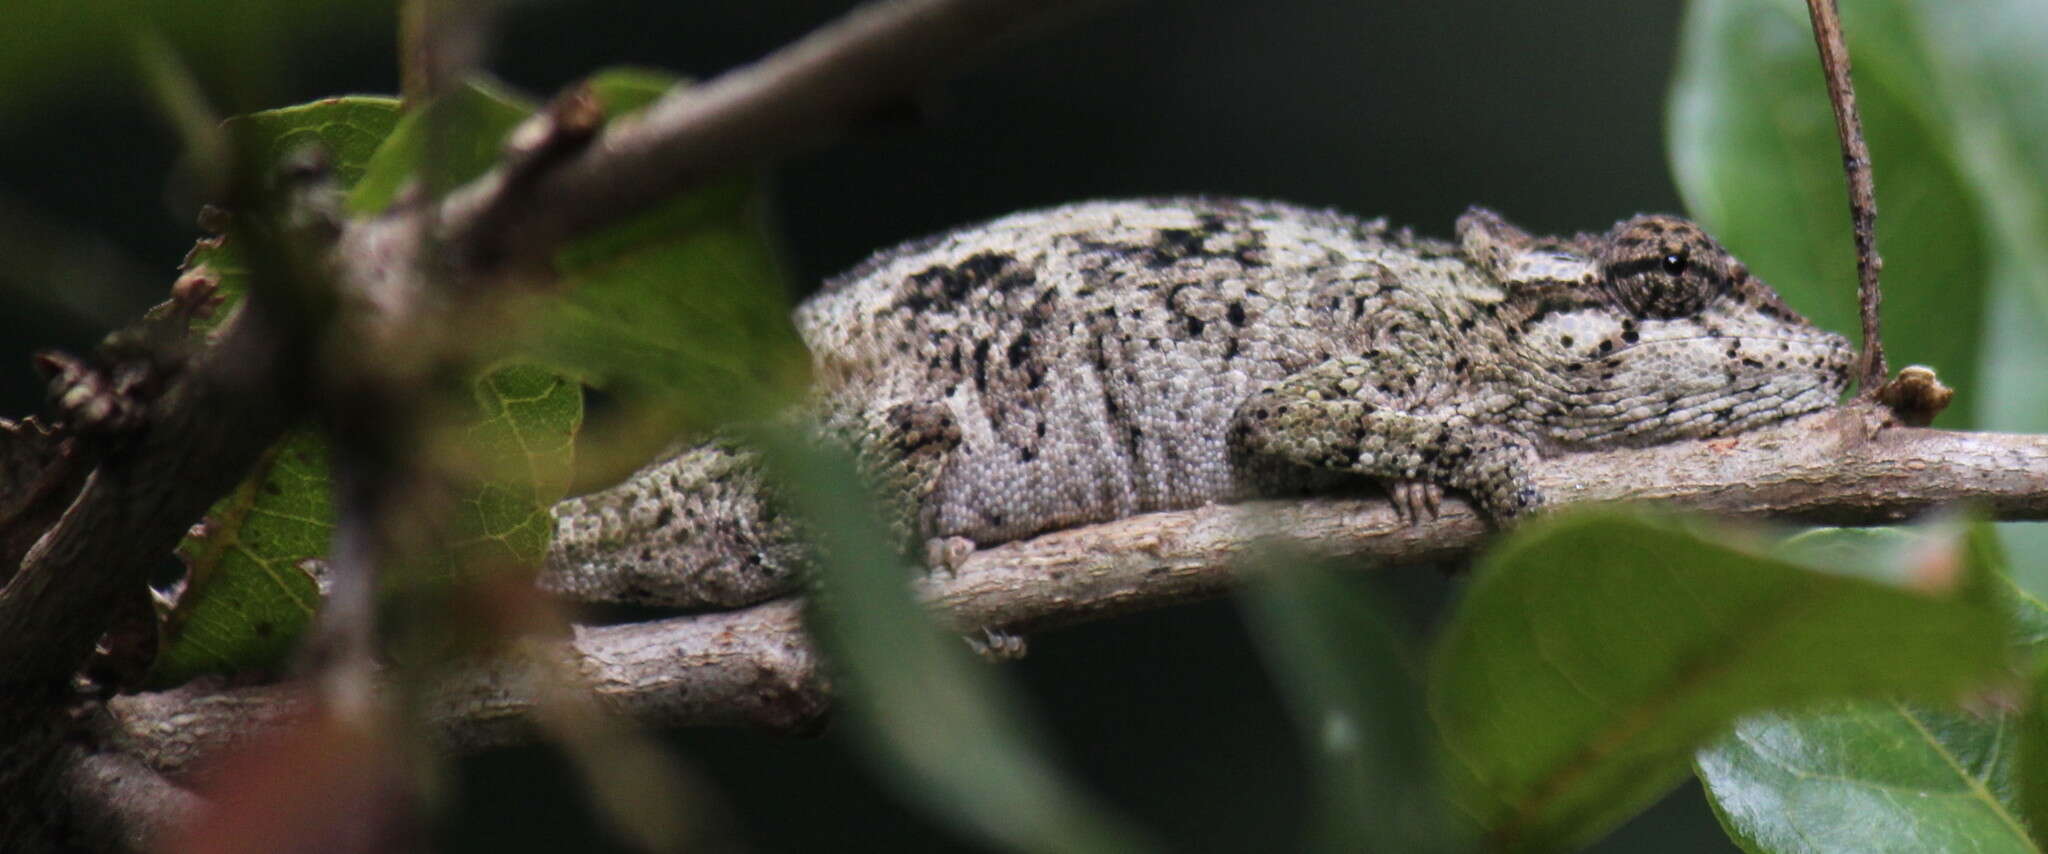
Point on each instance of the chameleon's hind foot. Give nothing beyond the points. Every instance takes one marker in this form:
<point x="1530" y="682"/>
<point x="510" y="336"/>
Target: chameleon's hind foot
<point x="998" y="645"/>
<point x="1415" y="501"/>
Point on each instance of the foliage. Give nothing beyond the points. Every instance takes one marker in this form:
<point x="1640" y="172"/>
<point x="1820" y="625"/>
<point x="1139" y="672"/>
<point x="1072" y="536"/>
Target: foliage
<point x="1875" y="775"/>
<point x="630" y="320"/>
<point x="1837" y="691"/>
<point x="1950" y="98"/>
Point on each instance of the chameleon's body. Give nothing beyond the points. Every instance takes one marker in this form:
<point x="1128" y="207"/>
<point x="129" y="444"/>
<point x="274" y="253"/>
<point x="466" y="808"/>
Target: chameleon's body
<point x="1089" y="362"/>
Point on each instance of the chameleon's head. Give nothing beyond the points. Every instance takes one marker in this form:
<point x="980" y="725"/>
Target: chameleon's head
<point x="1687" y="344"/>
<point x="1710" y="336"/>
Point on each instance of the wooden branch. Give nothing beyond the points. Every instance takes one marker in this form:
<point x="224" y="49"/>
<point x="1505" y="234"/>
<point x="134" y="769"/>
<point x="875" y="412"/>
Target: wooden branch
<point x="121" y="804"/>
<point x="203" y="434"/>
<point x="1849" y="466"/>
<point x="739" y="668"/>
<point x="1834" y="61"/>
<point x="1842" y="467"/>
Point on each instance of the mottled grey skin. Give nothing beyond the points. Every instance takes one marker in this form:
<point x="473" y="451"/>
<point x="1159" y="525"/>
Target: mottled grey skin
<point x="1090" y="362"/>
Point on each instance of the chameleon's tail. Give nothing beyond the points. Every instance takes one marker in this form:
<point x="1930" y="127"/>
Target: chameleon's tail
<point x="692" y="531"/>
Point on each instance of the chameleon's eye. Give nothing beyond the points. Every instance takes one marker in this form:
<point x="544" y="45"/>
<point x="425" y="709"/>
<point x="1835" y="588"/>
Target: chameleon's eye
<point x="1663" y="266"/>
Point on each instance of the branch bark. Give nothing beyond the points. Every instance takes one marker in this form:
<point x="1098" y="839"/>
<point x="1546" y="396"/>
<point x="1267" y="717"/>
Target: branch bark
<point x="1849" y="466"/>
<point x="203" y="434"/>
<point x="122" y="804"/>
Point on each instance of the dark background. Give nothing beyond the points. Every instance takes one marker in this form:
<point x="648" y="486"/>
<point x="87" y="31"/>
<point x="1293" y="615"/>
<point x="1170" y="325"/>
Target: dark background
<point x="1551" y="113"/>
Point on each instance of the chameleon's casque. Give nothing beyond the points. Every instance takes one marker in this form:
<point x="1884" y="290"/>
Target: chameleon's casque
<point x="1089" y="362"/>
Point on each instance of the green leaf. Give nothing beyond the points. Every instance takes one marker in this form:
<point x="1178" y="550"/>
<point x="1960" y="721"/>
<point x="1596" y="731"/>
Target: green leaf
<point x="700" y="318"/>
<point x="1593" y="652"/>
<point x="681" y="307"/>
<point x="686" y="301"/>
<point x="1351" y="683"/>
<point x="460" y="135"/>
<point x="938" y="727"/>
<point x="1753" y="148"/>
<point x="349" y="129"/>
<point x="1886" y="775"/>
<point x="250" y="592"/>
<point x="250" y="587"/>
<point x="518" y="447"/>
<point x="241" y="48"/>
<point x="1951" y="95"/>
<point x="2033" y="752"/>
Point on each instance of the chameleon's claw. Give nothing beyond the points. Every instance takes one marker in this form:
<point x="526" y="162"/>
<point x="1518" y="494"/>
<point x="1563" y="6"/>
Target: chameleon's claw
<point x="1415" y="501"/>
<point x="998" y="645"/>
<point x="945" y="555"/>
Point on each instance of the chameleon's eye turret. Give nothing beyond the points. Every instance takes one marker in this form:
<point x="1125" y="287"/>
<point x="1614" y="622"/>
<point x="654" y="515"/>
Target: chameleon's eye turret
<point x="1663" y="266"/>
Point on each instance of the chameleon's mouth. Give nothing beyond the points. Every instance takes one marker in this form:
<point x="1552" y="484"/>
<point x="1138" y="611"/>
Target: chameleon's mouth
<point x="1709" y="412"/>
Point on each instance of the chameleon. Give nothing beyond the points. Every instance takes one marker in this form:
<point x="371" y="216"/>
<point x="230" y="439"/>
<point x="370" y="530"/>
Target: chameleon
<point x="1089" y="362"/>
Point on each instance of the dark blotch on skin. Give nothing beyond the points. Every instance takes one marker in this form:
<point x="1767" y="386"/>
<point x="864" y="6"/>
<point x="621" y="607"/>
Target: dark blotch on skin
<point x="1020" y="349"/>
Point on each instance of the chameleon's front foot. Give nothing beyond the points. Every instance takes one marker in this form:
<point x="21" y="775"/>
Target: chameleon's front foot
<point x="1415" y="501"/>
<point x="1335" y="416"/>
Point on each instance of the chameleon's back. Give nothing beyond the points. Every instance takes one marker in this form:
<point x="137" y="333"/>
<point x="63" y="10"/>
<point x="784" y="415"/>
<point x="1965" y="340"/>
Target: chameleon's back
<point x="1092" y="356"/>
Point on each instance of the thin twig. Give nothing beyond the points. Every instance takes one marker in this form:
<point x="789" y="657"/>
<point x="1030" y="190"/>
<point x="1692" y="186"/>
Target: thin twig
<point x="1834" y="61"/>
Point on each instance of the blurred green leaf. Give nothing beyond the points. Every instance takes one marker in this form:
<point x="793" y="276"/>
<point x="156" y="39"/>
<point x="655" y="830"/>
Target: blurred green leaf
<point x="1593" y="652"/>
<point x="250" y="590"/>
<point x="1753" y="149"/>
<point x="682" y="306"/>
<point x="686" y="301"/>
<point x="936" y="725"/>
<point x="1951" y="93"/>
<point x="2033" y="752"/>
<point x="64" y="48"/>
<point x="349" y="129"/>
<point x="1351" y="683"/>
<point x="460" y="134"/>
<point x="1888" y="775"/>
<point x="701" y="320"/>
<point x="513" y="450"/>
<point x="250" y="586"/>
